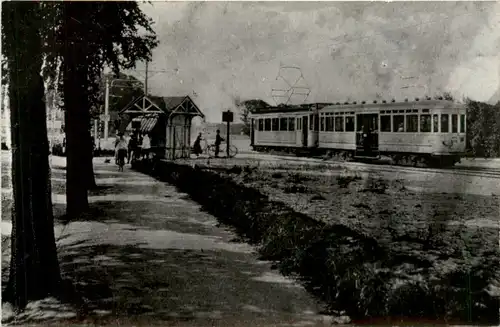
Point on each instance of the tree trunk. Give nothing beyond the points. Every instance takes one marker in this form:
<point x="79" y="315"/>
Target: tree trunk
<point x="34" y="268"/>
<point x="76" y="112"/>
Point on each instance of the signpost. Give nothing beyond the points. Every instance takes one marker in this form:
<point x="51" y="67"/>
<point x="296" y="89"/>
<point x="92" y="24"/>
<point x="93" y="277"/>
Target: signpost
<point x="227" y="116"/>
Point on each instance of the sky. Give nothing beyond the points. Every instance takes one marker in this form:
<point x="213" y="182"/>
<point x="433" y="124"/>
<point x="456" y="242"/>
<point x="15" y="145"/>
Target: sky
<point x="220" y="52"/>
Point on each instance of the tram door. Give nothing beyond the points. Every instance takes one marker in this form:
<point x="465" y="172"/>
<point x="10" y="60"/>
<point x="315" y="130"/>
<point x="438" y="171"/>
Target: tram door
<point x="305" y="130"/>
<point x="367" y="135"/>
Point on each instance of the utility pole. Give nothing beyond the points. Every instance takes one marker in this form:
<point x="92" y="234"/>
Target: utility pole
<point x="146" y="80"/>
<point x="105" y="118"/>
<point x="145" y="87"/>
<point x="106" y="112"/>
<point x="96" y="131"/>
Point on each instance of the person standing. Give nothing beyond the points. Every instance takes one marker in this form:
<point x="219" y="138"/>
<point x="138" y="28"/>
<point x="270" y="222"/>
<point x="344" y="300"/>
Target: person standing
<point x="132" y="148"/>
<point x="146" y="145"/>
<point x="197" y="146"/>
<point x="218" y="141"/>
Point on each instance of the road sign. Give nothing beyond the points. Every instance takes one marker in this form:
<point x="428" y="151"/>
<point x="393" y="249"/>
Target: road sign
<point x="104" y="117"/>
<point x="227" y="116"/>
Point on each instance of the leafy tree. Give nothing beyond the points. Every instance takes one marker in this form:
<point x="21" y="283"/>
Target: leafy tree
<point x="85" y="37"/>
<point x="34" y="268"/>
<point x="483" y="128"/>
<point x="245" y="108"/>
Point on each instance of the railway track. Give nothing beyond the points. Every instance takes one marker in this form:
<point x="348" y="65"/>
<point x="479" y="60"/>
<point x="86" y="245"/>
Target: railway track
<point x="472" y="171"/>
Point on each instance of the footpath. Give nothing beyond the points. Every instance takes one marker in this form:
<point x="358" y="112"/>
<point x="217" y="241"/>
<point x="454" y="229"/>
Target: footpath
<point x="148" y="255"/>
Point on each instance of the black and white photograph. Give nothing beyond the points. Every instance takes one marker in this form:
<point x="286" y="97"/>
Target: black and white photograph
<point x="253" y="164"/>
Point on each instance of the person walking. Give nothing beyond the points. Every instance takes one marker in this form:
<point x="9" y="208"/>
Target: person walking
<point x="121" y="152"/>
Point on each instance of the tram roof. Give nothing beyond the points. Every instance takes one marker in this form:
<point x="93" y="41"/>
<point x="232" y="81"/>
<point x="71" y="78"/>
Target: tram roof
<point x="358" y="106"/>
<point x="290" y="108"/>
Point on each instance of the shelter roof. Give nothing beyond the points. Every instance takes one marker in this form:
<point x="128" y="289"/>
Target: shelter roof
<point x="147" y="123"/>
<point x="147" y="105"/>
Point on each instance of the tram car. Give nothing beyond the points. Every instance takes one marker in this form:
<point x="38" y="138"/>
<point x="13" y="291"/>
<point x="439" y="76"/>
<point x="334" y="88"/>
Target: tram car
<point x="419" y="133"/>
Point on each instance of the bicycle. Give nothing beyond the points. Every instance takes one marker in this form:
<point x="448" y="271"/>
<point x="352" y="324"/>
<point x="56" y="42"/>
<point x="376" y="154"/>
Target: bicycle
<point x="204" y="146"/>
<point x="233" y="151"/>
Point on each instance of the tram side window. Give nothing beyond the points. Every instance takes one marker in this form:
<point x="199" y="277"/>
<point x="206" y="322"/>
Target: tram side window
<point x="462" y="123"/>
<point x="275" y="124"/>
<point x="385" y="123"/>
<point x="311" y="123"/>
<point x="261" y="124"/>
<point x="454" y="123"/>
<point x="425" y="123"/>
<point x="412" y="123"/>
<point x="322" y="125"/>
<point x="329" y="123"/>
<point x="445" y="126"/>
<point x="349" y="124"/>
<point x="339" y="124"/>
<point x="291" y="124"/>
<point x="398" y="123"/>
<point x="435" y="123"/>
<point x="267" y="124"/>
<point x="299" y="124"/>
<point x="283" y="124"/>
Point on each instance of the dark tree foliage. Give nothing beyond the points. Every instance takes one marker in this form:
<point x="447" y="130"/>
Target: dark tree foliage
<point x="81" y="39"/>
<point x="483" y="129"/>
<point x="34" y="268"/>
<point x="246" y="107"/>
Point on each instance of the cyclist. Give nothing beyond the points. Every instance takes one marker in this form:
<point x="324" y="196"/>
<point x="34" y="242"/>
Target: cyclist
<point x="121" y="152"/>
<point x="218" y="141"/>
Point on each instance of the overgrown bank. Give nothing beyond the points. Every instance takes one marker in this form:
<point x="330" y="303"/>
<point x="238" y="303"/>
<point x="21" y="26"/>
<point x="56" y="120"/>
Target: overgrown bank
<point x="347" y="270"/>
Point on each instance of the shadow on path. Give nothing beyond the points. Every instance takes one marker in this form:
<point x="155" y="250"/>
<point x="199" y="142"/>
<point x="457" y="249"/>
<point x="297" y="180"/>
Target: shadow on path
<point x="178" y="284"/>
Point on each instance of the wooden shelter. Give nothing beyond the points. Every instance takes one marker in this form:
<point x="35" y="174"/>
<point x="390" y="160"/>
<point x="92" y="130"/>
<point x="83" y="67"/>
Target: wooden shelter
<point x="166" y="119"/>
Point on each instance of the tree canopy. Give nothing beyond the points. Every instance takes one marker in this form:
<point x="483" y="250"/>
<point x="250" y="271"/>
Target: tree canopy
<point x="113" y="34"/>
<point x="80" y="40"/>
